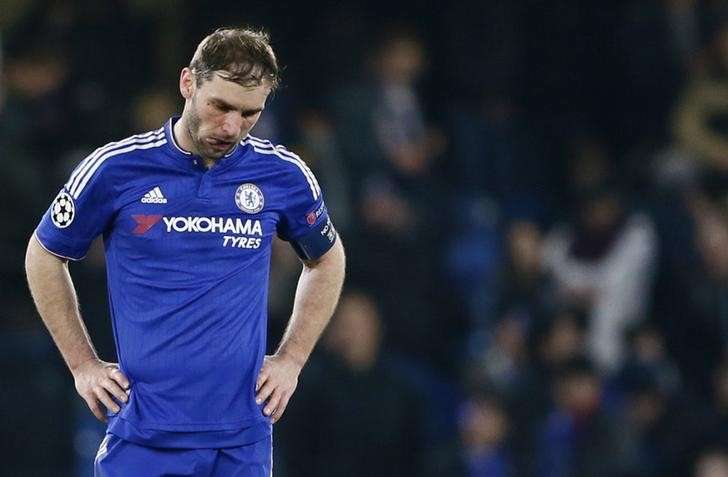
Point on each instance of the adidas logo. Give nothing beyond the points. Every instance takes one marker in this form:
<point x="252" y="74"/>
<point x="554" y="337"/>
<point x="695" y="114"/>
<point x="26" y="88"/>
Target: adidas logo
<point x="154" y="196"/>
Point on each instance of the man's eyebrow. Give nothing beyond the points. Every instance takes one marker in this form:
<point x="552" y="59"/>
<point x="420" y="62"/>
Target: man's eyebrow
<point x="226" y="105"/>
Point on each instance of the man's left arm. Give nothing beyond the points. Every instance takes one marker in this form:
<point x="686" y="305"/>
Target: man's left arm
<point x="317" y="293"/>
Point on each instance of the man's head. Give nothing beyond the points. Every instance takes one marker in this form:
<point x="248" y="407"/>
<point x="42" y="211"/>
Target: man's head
<point x="225" y="88"/>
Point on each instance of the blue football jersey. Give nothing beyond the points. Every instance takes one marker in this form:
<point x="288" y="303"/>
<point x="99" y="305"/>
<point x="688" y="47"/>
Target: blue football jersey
<point x="188" y="256"/>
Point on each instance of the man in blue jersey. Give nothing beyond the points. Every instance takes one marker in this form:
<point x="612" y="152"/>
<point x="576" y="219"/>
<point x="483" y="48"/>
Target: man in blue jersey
<point x="187" y="214"/>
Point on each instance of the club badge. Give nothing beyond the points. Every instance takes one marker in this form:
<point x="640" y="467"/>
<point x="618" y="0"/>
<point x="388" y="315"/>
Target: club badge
<point x="249" y="198"/>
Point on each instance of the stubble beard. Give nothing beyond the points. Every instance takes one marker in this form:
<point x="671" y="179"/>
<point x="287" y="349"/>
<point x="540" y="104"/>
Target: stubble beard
<point x="193" y="129"/>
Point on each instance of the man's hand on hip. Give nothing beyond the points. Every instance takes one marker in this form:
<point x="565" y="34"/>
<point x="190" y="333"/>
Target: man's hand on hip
<point x="276" y="383"/>
<point x="97" y="381"/>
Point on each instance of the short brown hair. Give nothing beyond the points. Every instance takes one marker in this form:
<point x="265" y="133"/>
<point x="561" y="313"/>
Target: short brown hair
<point x="241" y="55"/>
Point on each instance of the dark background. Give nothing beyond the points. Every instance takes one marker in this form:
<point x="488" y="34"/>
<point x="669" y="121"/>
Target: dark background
<point x="534" y="199"/>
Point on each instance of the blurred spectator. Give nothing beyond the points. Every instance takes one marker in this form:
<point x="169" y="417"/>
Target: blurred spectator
<point x="39" y="100"/>
<point x="503" y="363"/>
<point x="399" y="147"/>
<point x="516" y="291"/>
<point x="555" y="340"/>
<point x="483" y="449"/>
<point x="499" y="346"/>
<point x="390" y="150"/>
<point x="603" y="263"/>
<point x="698" y="314"/>
<point x="320" y="149"/>
<point x="151" y="109"/>
<point x="700" y="120"/>
<point x="559" y="339"/>
<point x="382" y="124"/>
<point x="472" y="260"/>
<point x="24" y="187"/>
<point x="484" y="433"/>
<point x="713" y="463"/>
<point x="710" y="294"/>
<point x="651" y="435"/>
<point x="647" y="355"/>
<point x="714" y="422"/>
<point x="656" y="38"/>
<point x="578" y="437"/>
<point x="354" y="416"/>
<point x="497" y="175"/>
<point x="66" y="46"/>
<point x="525" y="287"/>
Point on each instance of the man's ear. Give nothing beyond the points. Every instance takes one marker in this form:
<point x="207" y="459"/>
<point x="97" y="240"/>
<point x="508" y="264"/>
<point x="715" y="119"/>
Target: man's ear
<point x="186" y="83"/>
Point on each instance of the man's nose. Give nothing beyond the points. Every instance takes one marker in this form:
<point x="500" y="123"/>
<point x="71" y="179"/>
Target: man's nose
<point x="232" y="124"/>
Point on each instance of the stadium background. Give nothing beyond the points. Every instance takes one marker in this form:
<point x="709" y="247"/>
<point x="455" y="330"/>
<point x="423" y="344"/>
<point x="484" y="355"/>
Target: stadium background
<point x="533" y="196"/>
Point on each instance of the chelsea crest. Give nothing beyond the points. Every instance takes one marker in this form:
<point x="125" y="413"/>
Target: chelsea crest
<point x="249" y="198"/>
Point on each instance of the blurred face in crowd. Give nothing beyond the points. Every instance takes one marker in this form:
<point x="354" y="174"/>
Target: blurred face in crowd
<point x="152" y="109"/>
<point x="219" y="113"/>
<point x="564" y="340"/>
<point x="601" y="214"/>
<point x="354" y="333"/>
<point x="579" y="393"/>
<point x="645" y="408"/>
<point x="649" y="346"/>
<point x="713" y="464"/>
<point x="402" y="60"/>
<point x="712" y="241"/>
<point x="525" y="247"/>
<point x="37" y="74"/>
<point x="484" y="425"/>
<point x="510" y="337"/>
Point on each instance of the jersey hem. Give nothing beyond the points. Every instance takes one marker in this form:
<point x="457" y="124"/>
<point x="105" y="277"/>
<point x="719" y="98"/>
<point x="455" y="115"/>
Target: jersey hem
<point x="194" y="439"/>
<point x="194" y="427"/>
<point x="59" y="255"/>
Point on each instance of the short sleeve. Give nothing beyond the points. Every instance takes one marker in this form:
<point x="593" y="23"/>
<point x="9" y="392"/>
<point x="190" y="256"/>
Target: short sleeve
<point x="79" y="213"/>
<point x="306" y="223"/>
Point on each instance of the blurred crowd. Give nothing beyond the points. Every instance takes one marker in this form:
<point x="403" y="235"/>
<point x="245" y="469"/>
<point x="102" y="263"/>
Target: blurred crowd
<point x="534" y="199"/>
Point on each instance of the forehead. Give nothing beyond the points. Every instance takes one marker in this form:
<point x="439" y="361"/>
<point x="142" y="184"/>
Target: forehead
<point x="238" y="96"/>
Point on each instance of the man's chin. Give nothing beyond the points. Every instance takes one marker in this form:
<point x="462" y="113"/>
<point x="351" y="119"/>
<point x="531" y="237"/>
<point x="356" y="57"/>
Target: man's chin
<point x="215" y="154"/>
<point x="220" y="151"/>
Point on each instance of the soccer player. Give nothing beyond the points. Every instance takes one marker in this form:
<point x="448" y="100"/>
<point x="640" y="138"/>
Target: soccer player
<point x="187" y="214"/>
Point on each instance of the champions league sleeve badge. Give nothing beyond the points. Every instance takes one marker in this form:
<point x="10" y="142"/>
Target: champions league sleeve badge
<point x="62" y="210"/>
<point x="249" y="198"/>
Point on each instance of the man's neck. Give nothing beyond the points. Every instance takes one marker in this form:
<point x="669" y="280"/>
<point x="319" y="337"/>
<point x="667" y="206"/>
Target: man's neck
<point x="182" y="135"/>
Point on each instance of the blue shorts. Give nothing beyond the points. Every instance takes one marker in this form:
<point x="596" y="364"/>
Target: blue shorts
<point x="117" y="457"/>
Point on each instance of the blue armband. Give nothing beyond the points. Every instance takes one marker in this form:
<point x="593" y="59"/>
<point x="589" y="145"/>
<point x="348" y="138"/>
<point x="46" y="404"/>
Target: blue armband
<point x="317" y="242"/>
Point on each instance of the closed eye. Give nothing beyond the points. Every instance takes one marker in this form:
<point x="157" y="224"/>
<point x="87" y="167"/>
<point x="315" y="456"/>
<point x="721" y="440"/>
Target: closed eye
<point x="225" y="107"/>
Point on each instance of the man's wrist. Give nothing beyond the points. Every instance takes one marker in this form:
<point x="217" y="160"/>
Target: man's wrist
<point x="75" y="367"/>
<point x="294" y="358"/>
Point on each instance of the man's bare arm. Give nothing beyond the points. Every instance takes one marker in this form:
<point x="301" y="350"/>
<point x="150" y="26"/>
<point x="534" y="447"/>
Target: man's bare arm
<point x="319" y="287"/>
<point x="55" y="298"/>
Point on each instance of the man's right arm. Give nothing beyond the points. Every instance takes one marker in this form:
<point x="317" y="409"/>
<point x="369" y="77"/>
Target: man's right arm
<point x="55" y="298"/>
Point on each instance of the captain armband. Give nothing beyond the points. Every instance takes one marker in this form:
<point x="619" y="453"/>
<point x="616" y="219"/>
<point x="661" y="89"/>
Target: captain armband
<point x="316" y="242"/>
